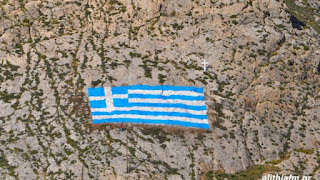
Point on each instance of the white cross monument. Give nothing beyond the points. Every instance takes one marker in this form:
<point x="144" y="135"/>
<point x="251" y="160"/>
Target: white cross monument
<point x="205" y="63"/>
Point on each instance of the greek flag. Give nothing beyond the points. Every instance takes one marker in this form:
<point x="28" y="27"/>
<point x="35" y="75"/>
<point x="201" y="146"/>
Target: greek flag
<point x="167" y="105"/>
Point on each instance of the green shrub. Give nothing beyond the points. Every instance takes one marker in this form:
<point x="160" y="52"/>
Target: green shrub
<point x="25" y="20"/>
<point x="132" y="150"/>
<point x="161" y="78"/>
<point x="173" y="13"/>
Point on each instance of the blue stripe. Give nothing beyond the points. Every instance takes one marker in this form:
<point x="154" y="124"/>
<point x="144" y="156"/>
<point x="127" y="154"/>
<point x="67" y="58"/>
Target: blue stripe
<point x="120" y="90"/>
<point x="152" y="113"/>
<point x="182" y="97"/>
<point x="148" y="121"/>
<point x="125" y="103"/>
<point x="167" y="87"/>
<point x="96" y="91"/>
<point x="120" y="102"/>
<point x="98" y="104"/>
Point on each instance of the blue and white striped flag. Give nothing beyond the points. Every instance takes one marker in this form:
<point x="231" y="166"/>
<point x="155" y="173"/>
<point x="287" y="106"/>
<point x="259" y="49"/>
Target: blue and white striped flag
<point x="169" y="105"/>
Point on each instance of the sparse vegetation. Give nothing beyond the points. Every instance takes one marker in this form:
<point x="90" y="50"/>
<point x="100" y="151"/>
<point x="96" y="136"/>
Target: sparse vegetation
<point x="253" y="173"/>
<point x="304" y="13"/>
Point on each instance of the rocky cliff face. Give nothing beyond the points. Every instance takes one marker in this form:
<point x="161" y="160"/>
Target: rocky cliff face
<point x="262" y="86"/>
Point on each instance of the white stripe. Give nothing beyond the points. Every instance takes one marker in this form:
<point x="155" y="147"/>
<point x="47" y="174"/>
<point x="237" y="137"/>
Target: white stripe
<point x="156" y="109"/>
<point x="109" y="99"/>
<point x="120" y="96"/>
<point x="135" y="116"/>
<point x="165" y="92"/>
<point x="96" y="98"/>
<point x="167" y="101"/>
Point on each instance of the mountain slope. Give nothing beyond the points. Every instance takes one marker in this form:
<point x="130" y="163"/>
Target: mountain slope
<point x="262" y="86"/>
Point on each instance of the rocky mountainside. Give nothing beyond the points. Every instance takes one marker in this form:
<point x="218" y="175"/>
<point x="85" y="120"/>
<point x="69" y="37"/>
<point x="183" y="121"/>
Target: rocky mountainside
<point x="262" y="87"/>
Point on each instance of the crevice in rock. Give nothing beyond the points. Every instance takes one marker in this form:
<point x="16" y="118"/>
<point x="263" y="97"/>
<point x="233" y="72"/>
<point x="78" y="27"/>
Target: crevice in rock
<point x="296" y="24"/>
